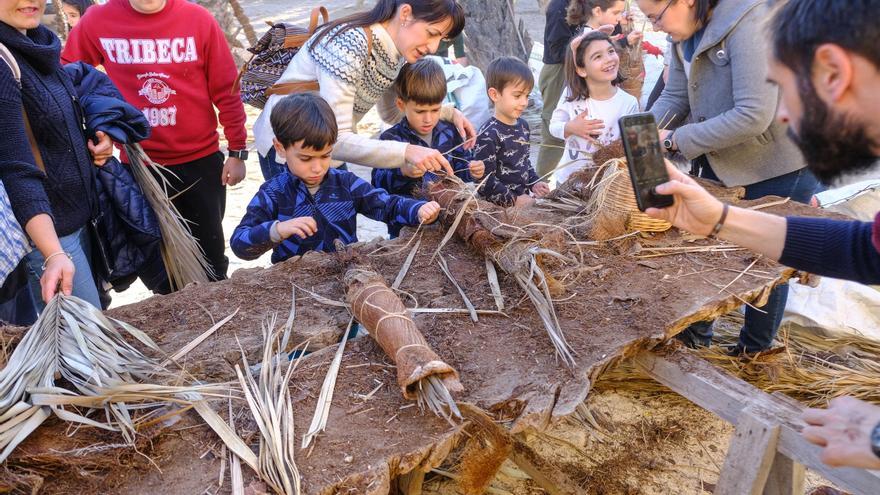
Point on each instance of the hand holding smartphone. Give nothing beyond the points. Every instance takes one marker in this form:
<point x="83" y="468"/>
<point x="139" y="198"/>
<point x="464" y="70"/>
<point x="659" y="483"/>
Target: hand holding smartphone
<point x="644" y="158"/>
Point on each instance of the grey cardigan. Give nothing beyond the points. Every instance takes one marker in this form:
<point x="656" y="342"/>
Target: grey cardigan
<point x="726" y="108"/>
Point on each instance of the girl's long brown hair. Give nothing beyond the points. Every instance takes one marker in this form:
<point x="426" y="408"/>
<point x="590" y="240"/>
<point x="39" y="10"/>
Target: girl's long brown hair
<point x="580" y="11"/>
<point x="429" y="11"/>
<point x="576" y="84"/>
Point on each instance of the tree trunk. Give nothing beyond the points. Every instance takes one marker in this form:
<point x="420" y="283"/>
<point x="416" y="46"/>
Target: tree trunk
<point x="492" y="31"/>
<point x="225" y="15"/>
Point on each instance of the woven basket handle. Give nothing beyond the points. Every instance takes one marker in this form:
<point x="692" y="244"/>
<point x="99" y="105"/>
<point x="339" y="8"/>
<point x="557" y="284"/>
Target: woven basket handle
<point x="313" y="22"/>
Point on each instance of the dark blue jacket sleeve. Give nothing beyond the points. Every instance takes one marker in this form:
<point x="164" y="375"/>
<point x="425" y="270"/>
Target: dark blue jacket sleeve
<point x="251" y="238"/>
<point x="832" y="248"/>
<point x="493" y="189"/>
<point x="377" y="204"/>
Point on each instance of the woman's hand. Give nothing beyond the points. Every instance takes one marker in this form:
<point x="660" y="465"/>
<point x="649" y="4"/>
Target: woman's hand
<point x="234" y="171"/>
<point x="694" y="210"/>
<point x="420" y="160"/>
<point x="59" y="271"/>
<point x="585" y="127"/>
<point x="102" y="150"/>
<point x="465" y="129"/>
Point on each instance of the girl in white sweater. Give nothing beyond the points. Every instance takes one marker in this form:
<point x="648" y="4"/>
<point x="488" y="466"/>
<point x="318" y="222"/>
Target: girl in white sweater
<point x="591" y="104"/>
<point x="353" y="73"/>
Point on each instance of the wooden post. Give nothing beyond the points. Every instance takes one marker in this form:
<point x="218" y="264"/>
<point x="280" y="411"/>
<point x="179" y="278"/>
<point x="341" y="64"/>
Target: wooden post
<point x="727" y="396"/>
<point x="786" y="477"/>
<point x="552" y="480"/>
<point x="411" y="482"/>
<point x="492" y="31"/>
<point x="749" y="458"/>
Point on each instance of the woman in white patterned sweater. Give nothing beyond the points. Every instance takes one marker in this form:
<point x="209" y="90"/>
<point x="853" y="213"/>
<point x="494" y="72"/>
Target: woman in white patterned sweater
<point x="353" y="75"/>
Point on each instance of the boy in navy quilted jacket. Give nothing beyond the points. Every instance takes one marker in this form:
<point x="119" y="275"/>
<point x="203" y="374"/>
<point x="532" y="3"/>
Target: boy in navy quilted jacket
<point x="313" y="205"/>
<point x="421" y="89"/>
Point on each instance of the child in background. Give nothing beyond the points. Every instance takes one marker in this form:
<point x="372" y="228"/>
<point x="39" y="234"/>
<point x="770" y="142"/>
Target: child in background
<point x="591" y="104"/>
<point x="421" y="89"/>
<point x="601" y="15"/>
<point x="313" y="205"/>
<point x="503" y="141"/>
<point x="74" y="9"/>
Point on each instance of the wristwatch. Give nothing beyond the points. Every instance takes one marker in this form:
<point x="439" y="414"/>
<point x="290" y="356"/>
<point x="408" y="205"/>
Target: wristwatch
<point x="875" y="440"/>
<point x="240" y="154"/>
<point x="667" y="143"/>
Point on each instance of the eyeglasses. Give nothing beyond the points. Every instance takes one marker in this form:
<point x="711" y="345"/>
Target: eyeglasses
<point x="655" y="20"/>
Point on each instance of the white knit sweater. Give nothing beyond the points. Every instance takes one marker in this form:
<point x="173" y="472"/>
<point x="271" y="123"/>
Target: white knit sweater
<point x="351" y="83"/>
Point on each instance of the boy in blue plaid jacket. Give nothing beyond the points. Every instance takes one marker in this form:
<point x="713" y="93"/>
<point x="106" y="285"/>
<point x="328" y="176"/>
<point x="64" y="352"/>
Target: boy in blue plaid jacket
<point x="421" y="89"/>
<point x="310" y="207"/>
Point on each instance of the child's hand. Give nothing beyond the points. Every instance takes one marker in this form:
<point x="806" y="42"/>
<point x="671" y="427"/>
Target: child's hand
<point x="428" y="212"/>
<point x="524" y="200"/>
<point x="301" y="226"/>
<point x="541" y="189"/>
<point x="634" y="38"/>
<point x="477" y="169"/>
<point x="585" y="127"/>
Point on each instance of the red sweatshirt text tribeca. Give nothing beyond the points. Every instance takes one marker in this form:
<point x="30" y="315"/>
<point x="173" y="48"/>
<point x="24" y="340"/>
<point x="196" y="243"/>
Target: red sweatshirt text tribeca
<point x="175" y="66"/>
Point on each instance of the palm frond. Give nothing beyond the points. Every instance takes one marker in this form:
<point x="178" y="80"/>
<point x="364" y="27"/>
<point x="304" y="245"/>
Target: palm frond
<point x="184" y="258"/>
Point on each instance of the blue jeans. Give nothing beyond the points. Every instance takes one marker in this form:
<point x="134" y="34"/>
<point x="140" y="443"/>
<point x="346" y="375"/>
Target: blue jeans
<point x="759" y="328"/>
<point x="77" y="245"/>
<point x="269" y="166"/>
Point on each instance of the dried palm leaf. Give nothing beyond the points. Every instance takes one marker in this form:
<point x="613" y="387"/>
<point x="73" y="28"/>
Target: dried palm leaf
<point x="322" y="409"/>
<point x="272" y="408"/>
<point x="467" y="302"/>
<point x="74" y="341"/>
<point x="184" y="258"/>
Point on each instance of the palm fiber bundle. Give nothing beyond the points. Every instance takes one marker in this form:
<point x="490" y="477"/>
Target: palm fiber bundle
<point x="421" y="374"/>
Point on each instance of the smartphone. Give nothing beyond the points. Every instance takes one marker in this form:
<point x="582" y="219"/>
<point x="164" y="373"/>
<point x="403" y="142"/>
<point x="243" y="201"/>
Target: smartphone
<point x="644" y="157"/>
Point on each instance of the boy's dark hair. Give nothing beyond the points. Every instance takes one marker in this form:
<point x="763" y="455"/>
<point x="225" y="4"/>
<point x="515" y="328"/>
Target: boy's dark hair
<point x="506" y="71"/>
<point x="422" y="82"/>
<point x="798" y="28"/>
<point x="580" y="11"/>
<point x="304" y="117"/>
<point x="576" y="84"/>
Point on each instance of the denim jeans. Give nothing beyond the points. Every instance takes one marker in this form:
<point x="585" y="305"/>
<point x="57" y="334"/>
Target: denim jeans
<point x="269" y="166"/>
<point x="760" y="327"/>
<point x="77" y="245"/>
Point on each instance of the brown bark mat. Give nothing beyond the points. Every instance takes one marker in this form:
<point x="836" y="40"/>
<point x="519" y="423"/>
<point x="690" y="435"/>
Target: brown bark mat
<point x="616" y="304"/>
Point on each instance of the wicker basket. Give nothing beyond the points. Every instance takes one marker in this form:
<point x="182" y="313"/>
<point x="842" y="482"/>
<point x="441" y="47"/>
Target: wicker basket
<point x="622" y="198"/>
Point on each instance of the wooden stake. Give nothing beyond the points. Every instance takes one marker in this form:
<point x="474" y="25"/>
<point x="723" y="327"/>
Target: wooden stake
<point x="749" y="458"/>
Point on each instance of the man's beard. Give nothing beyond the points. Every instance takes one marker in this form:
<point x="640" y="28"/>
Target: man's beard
<point x="833" y="145"/>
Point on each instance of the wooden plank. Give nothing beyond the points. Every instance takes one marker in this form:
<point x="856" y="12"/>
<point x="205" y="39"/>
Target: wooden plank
<point x="749" y="457"/>
<point x="552" y="480"/>
<point x="786" y="477"/>
<point x="727" y="396"/>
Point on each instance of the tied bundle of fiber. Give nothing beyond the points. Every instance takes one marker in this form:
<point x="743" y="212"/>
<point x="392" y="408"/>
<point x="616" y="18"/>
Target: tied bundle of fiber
<point x="515" y="250"/>
<point x="421" y="374"/>
<point x="632" y="68"/>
